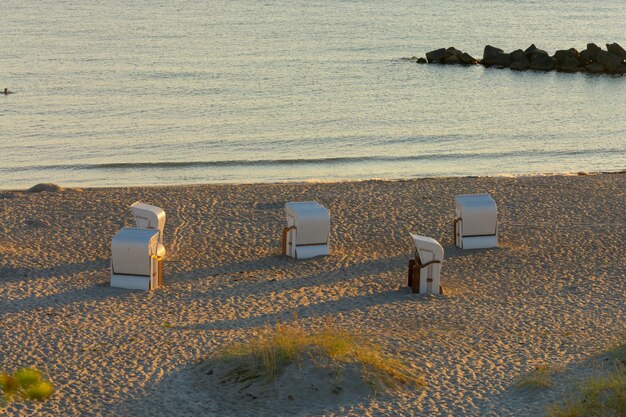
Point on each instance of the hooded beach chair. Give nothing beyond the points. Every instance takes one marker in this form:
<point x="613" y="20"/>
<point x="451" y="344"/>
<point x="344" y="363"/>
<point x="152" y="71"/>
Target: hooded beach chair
<point x="425" y="269"/>
<point x="476" y="223"/>
<point x="137" y="252"/>
<point x="307" y="231"/>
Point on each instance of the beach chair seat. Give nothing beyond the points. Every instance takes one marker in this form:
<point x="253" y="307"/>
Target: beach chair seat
<point x="425" y="268"/>
<point x="137" y="252"/>
<point x="476" y="222"/>
<point x="307" y="231"/>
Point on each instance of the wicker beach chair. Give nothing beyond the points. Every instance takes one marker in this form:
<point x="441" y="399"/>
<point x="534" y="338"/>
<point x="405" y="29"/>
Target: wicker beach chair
<point x="137" y="252"/>
<point x="476" y="222"/>
<point x="307" y="231"/>
<point x="425" y="268"/>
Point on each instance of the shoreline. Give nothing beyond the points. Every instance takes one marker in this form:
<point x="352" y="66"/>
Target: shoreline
<point x="321" y="181"/>
<point x="551" y="293"/>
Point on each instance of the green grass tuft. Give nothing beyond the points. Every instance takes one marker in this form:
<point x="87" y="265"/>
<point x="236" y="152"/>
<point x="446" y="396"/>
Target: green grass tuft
<point x="267" y="356"/>
<point x="27" y="376"/>
<point x="8" y="383"/>
<point x="601" y="396"/>
<point x="540" y="377"/>
<point x="25" y="384"/>
<point x="40" y="391"/>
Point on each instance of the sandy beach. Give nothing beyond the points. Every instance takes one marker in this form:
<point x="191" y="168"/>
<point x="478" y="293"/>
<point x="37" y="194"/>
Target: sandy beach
<point x="553" y="292"/>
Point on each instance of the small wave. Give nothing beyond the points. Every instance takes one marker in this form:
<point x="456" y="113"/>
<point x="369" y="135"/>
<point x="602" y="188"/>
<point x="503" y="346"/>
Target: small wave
<point x="301" y="161"/>
<point x="261" y="162"/>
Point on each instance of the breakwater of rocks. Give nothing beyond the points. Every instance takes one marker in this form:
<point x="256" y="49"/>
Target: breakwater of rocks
<point x="592" y="59"/>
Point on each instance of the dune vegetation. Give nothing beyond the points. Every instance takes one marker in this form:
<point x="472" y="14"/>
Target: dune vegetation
<point x="24" y="384"/>
<point x="267" y="356"/>
<point x="601" y="395"/>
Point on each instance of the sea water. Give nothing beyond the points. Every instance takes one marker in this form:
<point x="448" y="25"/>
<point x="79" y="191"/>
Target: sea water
<point x="147" y="92"/>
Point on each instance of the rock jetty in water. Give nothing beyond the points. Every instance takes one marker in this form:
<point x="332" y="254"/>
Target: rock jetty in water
<point x="593" y="59"/>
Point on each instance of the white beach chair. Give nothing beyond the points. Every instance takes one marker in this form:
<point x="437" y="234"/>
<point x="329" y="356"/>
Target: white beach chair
<point x="137" y="252"/>
<point x="307" y="231"/>
<point x="476" y="223"/>
<point x="425" y="269"/>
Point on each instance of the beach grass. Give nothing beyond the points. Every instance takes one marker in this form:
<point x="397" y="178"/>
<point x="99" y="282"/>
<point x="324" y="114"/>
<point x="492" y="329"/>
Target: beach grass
<point x="602" y="396"/>
<point x="267" y="356"/>
<point x="24" y="384"/>
<point x="540" y="377"/>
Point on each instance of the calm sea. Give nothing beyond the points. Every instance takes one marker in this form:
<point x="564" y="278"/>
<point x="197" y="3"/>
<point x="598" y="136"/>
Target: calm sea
<point x="197" y="91"/>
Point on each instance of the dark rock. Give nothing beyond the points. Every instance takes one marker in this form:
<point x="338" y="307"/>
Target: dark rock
<point x="453" y="51"/>
<point x="35" y="223"/>
<point x="467" y="59"/>
<point x="561" y="54"/>
<point x="520" y="65"/>
<point x="496" y="56"/>
<point x="539" y="53"/>
<point x="593" y="50"/>
<point x="530" y="49"/>
<point x="533" y="52"/>
<point x="492" y="50"/>
<point x="568" y="64"/>
<point x="543" y="63"/>
<point x="518" y="55"/>
<point x="452" y="60"/>
<point x="609" y="61"/>
<point x="520" y="61"/>
<point x="615" y="49"/>
<point x="49" y="187"/>
<point x="574" y="53"/>
<point x="584" y="57"/>
<point x="595" y="68"/>
<point x="567" y="60"/>
<point x="592" y="59"/>
<point x="437" y="55"/>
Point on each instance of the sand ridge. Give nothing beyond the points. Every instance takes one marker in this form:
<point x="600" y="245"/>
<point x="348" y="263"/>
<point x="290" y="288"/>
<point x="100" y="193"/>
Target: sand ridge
<point x="553" y="292"/>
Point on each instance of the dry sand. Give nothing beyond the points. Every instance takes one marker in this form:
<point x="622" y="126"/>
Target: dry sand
<point x="554" y="292"/>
